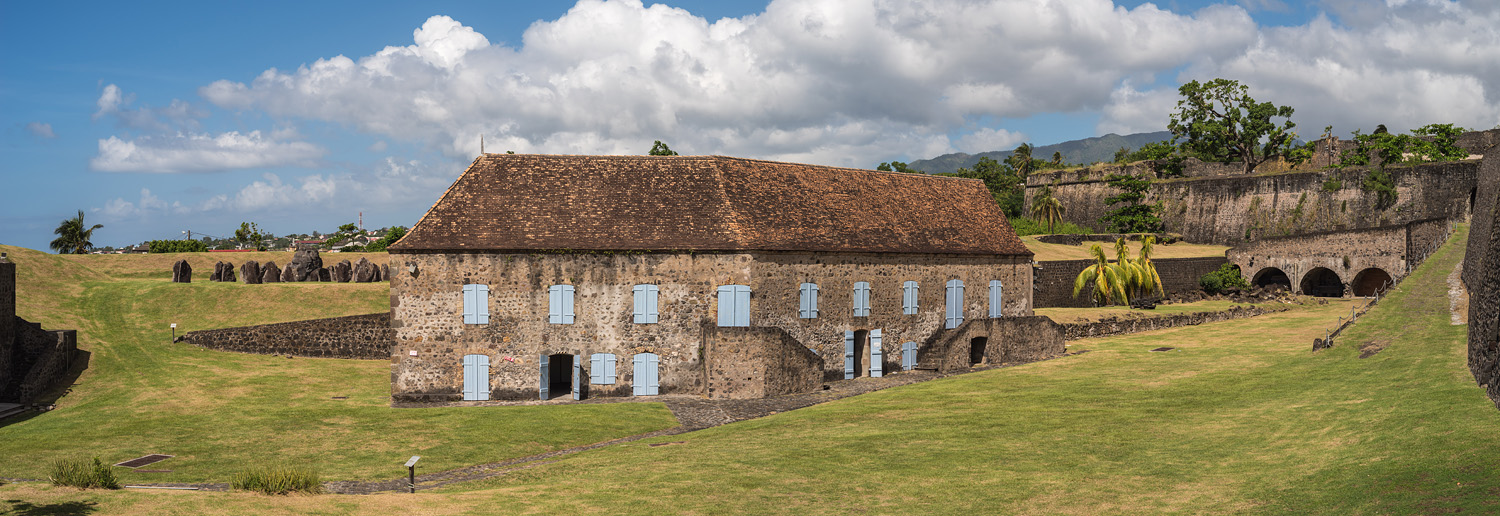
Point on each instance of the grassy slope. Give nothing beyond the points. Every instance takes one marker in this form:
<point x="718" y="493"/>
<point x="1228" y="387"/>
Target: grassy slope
<point x="1047" y="252"/>
<point x="1242" y="419"/>
<point x="219" y="412"/>
<point x="1075" y="315"/>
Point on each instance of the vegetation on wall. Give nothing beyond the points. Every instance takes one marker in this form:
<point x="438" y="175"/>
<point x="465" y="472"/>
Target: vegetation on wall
<point x="1380" y="183"/>
<point x="1225" y="279"/>
<point x="1133" y="215"/>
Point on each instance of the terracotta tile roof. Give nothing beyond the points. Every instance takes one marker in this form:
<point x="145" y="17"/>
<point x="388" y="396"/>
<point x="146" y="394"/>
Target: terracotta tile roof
<point x="707" y="203"/>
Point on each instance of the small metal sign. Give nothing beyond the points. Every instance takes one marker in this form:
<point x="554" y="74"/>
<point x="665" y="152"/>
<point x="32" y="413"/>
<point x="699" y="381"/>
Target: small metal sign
<point x="413" y="461"/>
<point x="174" y="326"/>
<point x="412" y="352"/>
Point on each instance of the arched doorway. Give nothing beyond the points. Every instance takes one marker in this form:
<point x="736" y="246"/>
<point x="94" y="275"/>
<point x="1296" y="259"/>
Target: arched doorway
<point x="1272" y="276"/>
<point x="976" y="350"/>
<point x="1322" y="282"/>
<point x="1369" y="281"/>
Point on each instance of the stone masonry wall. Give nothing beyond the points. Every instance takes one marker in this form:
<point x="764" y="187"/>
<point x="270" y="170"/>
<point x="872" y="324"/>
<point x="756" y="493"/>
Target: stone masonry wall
<point x="1075" y="331"/>
<point x="366" y="337"/>
<point x="7" y="319"/>
<point x="1008" y="340"/>
<point x="1424" y="235"/>
<point x="43" y="357"/>
<point x="1481" y="274"/>
<point x="427" y="309"/>
<point x="1232" y="209"/>
<point x="1346" y="253"/>
<point x="1054" y="279"/>
<point x="756" y="362"/>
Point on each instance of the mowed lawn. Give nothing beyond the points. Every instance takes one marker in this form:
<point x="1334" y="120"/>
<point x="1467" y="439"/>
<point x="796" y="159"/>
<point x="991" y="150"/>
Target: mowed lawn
<point x="1241" y="418"/>
<point x="220" y="412"/>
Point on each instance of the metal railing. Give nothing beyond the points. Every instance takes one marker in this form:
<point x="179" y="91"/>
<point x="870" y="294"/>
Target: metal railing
<point x="1356" y="311"/>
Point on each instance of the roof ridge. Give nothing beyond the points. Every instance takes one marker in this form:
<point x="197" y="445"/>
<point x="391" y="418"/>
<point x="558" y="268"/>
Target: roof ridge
<point x="734" y="158"/>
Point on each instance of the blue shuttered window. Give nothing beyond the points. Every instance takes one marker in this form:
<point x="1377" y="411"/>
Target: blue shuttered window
<point x="848" y="355"/>
<point x="560" y="304"/>
<point x="602" y="369"/>
<point x="647" y="381"/>
<point x="734" y="305"/>
<point x="545" y="390"/>
<point x="476" y="377"/>
<point x="908" y="356"/>
<point x="909" y="298"/>
<point x="645" y="303"/>
<point x="862" y="299"/>
<point x="476" y="304"/>
<point x="996" y="296"/>
<point x="877" y="355"/>
<point x="807" y="308"/>
<point x="955" y="304"/>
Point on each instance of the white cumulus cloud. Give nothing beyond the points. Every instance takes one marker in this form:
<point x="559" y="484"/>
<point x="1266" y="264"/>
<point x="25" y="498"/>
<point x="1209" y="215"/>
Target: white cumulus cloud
<point x="40" y="130"/>
<point x="197" y="152"/>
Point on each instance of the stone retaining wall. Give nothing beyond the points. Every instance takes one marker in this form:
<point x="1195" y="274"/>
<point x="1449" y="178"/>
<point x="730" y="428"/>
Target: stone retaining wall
<point x="367" y="337"/>
<point x="756" y="362"/>
<point x="1075" y="331"/>
<point x="1481" y="276"/>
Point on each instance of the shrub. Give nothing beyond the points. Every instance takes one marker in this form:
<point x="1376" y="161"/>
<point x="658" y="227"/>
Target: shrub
<point x="1333" y="185"/>
<point x="1225" y="279"/>
<point x="176" y="246"/>
<point x="1028" y="226"/>
<point x="83" y="474"/>
<point x="391" y="237"/>
<point x="278" y="480"/>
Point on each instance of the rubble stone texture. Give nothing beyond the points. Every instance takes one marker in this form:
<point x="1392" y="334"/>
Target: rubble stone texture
<point x="1482" y="277"/>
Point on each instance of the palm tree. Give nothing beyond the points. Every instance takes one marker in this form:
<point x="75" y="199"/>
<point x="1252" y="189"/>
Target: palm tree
<point x="1021" y="159"/>
<point x="1057" y="158"/>
<point x="1129" y="273"/>
<point x="1107" y="284"/>
<point x="72" y="238"/>
<point x="1152" y="280"/>
<point x="1048" y="208"/>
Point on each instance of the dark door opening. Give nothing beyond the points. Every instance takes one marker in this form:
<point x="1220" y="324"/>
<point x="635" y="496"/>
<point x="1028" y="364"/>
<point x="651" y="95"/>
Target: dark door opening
<point x="1322" y="282"/>
<point x="559" y="375"/>
<point x="976" y="350"/>
<point x="861" y="353"/>
<point x="1473" y="193"/>
<point x="1370" y="281"/>
<point x="1272" y="276"/>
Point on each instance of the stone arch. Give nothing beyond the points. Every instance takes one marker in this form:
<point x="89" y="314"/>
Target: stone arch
<point x="1271" y="276"/>
<point x="1369" y="281"/>
<point x="1322" y="282"/>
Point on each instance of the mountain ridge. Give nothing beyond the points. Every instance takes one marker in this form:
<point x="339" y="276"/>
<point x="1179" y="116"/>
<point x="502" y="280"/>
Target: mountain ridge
<point x="1087" y="150"/>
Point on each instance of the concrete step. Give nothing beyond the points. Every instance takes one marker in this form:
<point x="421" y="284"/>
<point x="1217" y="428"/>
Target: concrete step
<point x="11" y="409"/>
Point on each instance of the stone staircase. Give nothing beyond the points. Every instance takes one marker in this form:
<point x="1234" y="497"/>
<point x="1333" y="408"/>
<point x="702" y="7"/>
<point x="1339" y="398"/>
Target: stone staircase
<point x="11" y="409"/>
<point x="934" y="350"/>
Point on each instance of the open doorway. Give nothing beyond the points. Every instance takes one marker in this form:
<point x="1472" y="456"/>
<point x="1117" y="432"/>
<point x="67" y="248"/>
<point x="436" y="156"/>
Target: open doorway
<point x="977" y="347"/>
<point x="861" y="352"/>
<point x="557" y="377"/>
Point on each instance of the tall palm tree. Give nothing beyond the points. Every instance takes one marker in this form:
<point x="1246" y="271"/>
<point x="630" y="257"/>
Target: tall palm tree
<point x="1021" y="159"/>
<point x="1046" y="207"/>
<point x="1057" y="158"/>
<point x="72" y="238"/>
<point x="1105" y="283"/>
<point x="1129" y="273"/>
<point x="1152" y="280"/>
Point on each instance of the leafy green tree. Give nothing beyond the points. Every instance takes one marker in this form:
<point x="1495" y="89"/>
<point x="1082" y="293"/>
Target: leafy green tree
<point x="661" y="149"/>
<point x="1007" y="189"/>
<point x="1102" y="280"/>
<point x="1045" y="207"/>
<point x="249" y="234"/>
<point x="897" y="166"/>
<point x="1219" y="121"/>
<point x="390" y="237"/>
<point x="1226" y="278"/>
<point x="1134" y="215"/>
<point x="176" y="246"/>
<point x="72" y="238"/>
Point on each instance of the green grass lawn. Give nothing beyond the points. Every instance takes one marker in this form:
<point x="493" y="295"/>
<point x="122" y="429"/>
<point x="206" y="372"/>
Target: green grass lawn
<point x="221" y="412"/>
<point x="1241" y="418"/>
<point x="1077" y="315"/>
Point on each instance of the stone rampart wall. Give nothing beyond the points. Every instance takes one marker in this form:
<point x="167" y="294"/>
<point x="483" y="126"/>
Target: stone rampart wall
<point x="1481" y="274"/>
<point x="1075" y="331"/>
<point x="7" y="319"/>
<point x="1054" y="279"/>
<point x="44" y="358"/>
<point x="366" y="337"/>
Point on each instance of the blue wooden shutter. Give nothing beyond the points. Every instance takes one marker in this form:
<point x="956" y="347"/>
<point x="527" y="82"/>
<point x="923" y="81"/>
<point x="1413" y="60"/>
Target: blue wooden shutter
<point x="955" y="308"/>
<point x="646" y="378"/>
<point x="596" y="368"/>
<point x="995" y="298"/>
<point x="741" y="305"/>
<point x="567" y="305"/>
<point x="609" y="368"/>
<point x="554" y="304"/>
<point x="909" y="298"/>
<point x="908" y="356"/>
<point x="639" y="293"/>
<point x="469" y="305"/>
<point x="877" y="355"/>
<point x="848" y="355"/>
<point x="471" y="391"/>
<point x="653" y="295"/>
<point x="544" y="391"/>
<point x="726" y="305"/>
<point x="482" y="305"/>
<point x="577" y="378"/>
<point x="862" y="299"/>
<point x="808" y="308"/>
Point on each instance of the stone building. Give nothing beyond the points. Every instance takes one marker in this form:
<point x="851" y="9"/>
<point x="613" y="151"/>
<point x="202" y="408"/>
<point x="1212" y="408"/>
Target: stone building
<point x="552" y="276"/>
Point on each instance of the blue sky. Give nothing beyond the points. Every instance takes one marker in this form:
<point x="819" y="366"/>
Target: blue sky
<point x="298" y="116"/>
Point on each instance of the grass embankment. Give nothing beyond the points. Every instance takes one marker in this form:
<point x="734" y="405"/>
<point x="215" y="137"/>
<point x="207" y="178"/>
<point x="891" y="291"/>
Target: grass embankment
<point x="220" y="412"/>
<point x="1242" y="418"/>
<point x="1049" y="252"/>
<point x="1083" y="315"/>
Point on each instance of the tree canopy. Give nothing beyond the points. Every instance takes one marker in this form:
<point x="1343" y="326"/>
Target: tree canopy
<point x="72" y="238"/>
<point x="1220" y="121"/>
<point x="897" y="166"/>
<point x="661" y="149"/>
